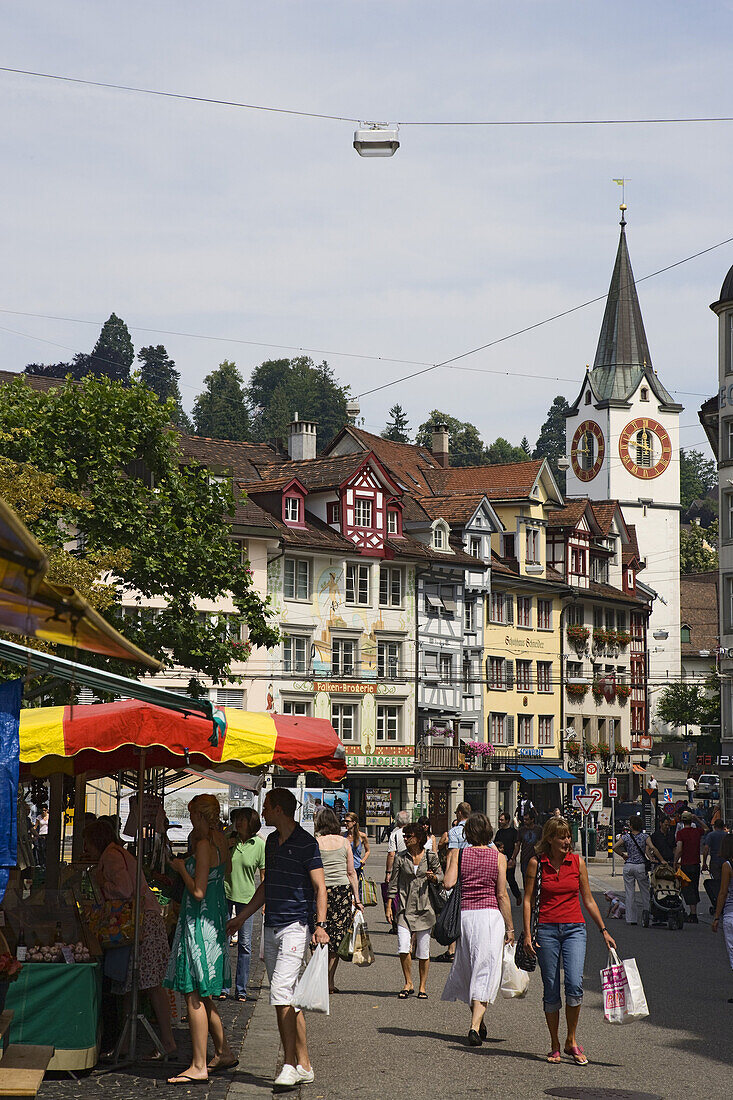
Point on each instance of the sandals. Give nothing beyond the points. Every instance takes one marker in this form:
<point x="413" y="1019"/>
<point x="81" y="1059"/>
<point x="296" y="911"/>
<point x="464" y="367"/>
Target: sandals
<point x="422" y="996"/>
<point x="215" y="1066"/>
<point x="404" y="993"/>
<point x="577" y="1054"/>
<point x="184" y="1079"/>
<point x="554" y="1057"/>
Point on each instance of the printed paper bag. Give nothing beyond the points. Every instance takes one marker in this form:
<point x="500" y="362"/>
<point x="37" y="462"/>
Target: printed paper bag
<point x="623" y="993"/>
<point x="363" y="953"/>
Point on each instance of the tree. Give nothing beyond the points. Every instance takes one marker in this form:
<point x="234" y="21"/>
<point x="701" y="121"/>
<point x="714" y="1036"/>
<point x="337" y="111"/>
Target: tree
<point x="698" y="553"/>
<point x="220" y="412"/>
<point x="526" y="447"/>
<point x="682" y="705"/>
<point x="501" y="451"/>
<point x="466" y="445"/>
<point x="551" y="440"/>
<point x="698" y="475"/>
<point x="397" y="426"/>
<point x="164" y="526"/>
<point x="113" y="353"/>
<point x="280" y="388"/>
<point x="159" y="374"/>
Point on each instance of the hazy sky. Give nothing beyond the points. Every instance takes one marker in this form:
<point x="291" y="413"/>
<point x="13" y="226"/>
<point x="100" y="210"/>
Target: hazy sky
<point x="250" y="226"/>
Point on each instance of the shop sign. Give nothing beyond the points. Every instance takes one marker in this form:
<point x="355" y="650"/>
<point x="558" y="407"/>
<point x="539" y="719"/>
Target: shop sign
<point x="530" y="752"/>
<point x="336" y="687"/>
<point x="378" y="804"/>
<point x="523" y="642"/>
<point x="724" y="761"/>
<point x="389" y="756"/>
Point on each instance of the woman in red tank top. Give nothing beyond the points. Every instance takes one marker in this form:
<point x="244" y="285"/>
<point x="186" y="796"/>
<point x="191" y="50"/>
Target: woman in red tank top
<point x="560" y="930"/>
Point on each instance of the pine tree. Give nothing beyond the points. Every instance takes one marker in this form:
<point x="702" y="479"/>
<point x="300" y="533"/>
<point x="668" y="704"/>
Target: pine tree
<point x="397" y="426"/>
<point x="159" y="374"/>
<point x="551" y="441"/>
<point x="220" y="412"/>
<point x="525" y="446"/>
<point x="112" y="355"/>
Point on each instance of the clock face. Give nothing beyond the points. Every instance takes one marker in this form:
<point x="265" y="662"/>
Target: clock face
<point x="587" y="450"/>
<point x="645" y="448"/>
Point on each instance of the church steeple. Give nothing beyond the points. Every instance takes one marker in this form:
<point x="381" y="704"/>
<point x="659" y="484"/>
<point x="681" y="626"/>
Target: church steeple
<point x="622" y="355"/>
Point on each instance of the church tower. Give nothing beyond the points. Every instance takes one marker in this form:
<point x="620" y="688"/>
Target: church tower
<point x="622" y="438"/>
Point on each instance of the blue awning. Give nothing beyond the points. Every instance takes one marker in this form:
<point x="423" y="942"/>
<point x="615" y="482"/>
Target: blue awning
<point x="544" y="773"/>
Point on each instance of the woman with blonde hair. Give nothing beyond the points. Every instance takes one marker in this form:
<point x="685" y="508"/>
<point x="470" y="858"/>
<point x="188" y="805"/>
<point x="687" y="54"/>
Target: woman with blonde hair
<point x="199" y="963"/>
<point x="563" y="882"/>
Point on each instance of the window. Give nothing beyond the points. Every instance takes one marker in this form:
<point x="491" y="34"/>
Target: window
<point x="524" y="675"/>
<point x="388" y="723"/>
<point x="469" y="610"/>
<point x="343" y="720"/>
<point x="446" y="668"/>
<point x="230" y="697"/>
<point x="390" y="586"/>
<point x="544" y="614"/>
<point x="292" y="509"/>
<point x="393" y="524"/>
<point x="501" y="608"/>
<point x="644" y="393"/>
<point x="500" y="674"/>
<point x="524" y="729"/>
<point x="574" y="670"/>
<point x="588" y="451"/>
<point x="728" y="516"/>
<point x="728" y="604"/>
<point x="343" y="656"/>
<point x="357" y="585"/>
<point x="544" y="676"/>
<point x="685" y="635"/>
<point x="727" y="439"/>
<point x="430" y="666"/>
<point x="610" y="620"/>
<point x="532" y="543"/>
<point x="291" y="706"/>
<point x="295" y="653"/>
<point x="637" y="625"/>
<point x="363" y="512"/>
<point x="599" y="570"/>
<point x="509" y="551"/>
<point x="544" y="730"/>
<point x="475" y="547"/>
<point x="388" y="660"/>
<point x="524" y="610"/>
<point x="501" y="729"/>
<point x="448" y="599"/>
<point x="575" y="614"/>
<point x="440" y="536"/>
<point x="467" y="676"/>
<point x="598" y="618"/>
<point x="630" y="579"/>
<point x="296" y="580"/>
<point x="333" y="511"/>
<point x="644" y="448"/>
<point x="577" y="560"/>
<point x="621" y="620"/>
<point x="588" y="397"/>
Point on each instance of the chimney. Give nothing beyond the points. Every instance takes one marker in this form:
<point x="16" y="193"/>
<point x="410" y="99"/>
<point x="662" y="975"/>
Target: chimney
<point x="440" y="444"/>
<point x="301" y="439"/>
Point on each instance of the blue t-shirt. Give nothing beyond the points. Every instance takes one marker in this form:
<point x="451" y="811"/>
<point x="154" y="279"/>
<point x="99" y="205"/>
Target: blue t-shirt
<point x="288" y="887"/>
<point x="457" y="836"/>
<point x="713" y="842"/>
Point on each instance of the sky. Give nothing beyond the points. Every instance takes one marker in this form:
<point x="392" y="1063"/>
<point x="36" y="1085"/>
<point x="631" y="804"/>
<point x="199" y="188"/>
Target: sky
<point x="254" y="234"/>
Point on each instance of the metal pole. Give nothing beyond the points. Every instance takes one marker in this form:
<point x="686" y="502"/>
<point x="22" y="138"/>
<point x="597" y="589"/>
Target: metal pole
<point x="138" y="916"/>
<point x="613" y="836"/>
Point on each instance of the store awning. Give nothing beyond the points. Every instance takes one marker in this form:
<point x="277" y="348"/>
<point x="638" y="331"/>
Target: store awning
<point x="638" y="768"/>
<point x="544" y="773"/>
<point x="35" y="608"/>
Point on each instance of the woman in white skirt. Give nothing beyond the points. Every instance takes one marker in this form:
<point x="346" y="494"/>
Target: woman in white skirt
<point x="486" y="923"/>
<point x="724" y="907"/>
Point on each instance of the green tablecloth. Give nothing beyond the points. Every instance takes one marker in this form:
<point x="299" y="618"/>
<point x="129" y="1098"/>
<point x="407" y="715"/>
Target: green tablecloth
<point x="57" y="1004"/>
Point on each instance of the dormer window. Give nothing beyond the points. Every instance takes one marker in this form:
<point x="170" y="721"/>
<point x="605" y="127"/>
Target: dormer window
<point x="644" y="393"/>
<point x="333" y="511"/>
<point x="292" y="509"/>
<point x="393" y="522"/>
<point x="685" y="635"/>
<point x="440" y="535"/>
<point x="363" y="512"/>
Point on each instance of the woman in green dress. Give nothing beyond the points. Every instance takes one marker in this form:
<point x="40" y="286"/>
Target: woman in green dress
<point x="199" y="964"/>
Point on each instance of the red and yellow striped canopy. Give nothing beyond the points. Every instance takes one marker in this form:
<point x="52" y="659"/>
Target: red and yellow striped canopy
<point x="103" y="737"/>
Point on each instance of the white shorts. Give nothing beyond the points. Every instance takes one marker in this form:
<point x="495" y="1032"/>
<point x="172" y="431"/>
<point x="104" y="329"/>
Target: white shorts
<point x="284" y="955"/>
<point x="422" y="942"/>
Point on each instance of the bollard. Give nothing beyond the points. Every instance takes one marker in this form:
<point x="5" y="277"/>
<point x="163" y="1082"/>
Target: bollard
<point x="610" y="844"/>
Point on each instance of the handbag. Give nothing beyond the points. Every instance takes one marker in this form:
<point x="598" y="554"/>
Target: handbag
<point x="623" y="994"/>
<point x="363" y="954"/>
<point x="522" y="957"/>
<point x="448" y="925"/>
<point x="647" y="862"/>
<point x="368" y="891"/>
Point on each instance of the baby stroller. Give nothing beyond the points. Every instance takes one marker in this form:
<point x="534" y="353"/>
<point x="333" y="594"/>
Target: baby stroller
<point x="665" y="899"/>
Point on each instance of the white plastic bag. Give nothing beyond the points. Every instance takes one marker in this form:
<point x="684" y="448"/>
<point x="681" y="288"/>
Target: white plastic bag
<point x="623" y="994"/>
<point x="311" y="992"/>
<point x="357" y="923"/>
<point x="514" y="982"/>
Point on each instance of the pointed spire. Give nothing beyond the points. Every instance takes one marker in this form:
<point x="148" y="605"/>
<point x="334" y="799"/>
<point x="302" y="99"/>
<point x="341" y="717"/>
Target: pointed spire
<point x="623" y="351"/>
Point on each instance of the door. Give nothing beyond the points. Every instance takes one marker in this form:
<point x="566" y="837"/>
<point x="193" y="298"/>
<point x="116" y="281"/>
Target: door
<point x="438" y="808"/>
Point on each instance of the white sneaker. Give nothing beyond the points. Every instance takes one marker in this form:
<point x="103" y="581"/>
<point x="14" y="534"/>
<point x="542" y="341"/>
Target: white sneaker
<point x="306" y="1076"/>
<point x="288" y="1077"/>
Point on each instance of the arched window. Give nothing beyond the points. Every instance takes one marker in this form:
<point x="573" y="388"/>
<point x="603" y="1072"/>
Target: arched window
<point x="644" y="448"/>
<point x="441" y="535"/>
<point x="644" y="393"/>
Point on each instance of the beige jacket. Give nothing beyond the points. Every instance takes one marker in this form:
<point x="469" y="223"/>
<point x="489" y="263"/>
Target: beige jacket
<point x="410" y="885"/>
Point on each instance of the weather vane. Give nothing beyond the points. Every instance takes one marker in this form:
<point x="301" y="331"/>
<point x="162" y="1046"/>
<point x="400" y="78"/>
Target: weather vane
<point x="622" y="184"/>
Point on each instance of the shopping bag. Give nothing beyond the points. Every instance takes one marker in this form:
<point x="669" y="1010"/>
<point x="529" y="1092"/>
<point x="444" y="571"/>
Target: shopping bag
<point x="345" y="949"/>
<point x="623" y="994"/>
<point x="112" y="922"/>
<point x="514" y="982"/>
<point x="368" y="891"/>
<point x="311" y="992"/>
<point x="363" y="953"/>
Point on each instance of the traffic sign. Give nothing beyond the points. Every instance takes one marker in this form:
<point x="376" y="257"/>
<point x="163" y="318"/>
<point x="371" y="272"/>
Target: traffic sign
<point x="578" y="788"/>
<point x="591" y="772"/>
<point x="593" y="800"/>
<point x="612" y="787"/>
<point x="667" y="795"/>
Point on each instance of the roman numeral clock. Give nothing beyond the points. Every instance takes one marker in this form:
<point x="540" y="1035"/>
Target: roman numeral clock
<point x="645" y="448"/>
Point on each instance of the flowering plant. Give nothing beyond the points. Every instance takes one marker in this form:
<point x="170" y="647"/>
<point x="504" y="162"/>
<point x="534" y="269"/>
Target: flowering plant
<point x="573" y="749"/>
<point x="604" y="751"/>
<point x="480" y="748"/>
<point x="597" y="691"/>
<point x="612" y="638"/>
<point x="576" y="691"/>
<point x="578" y="634"/>
<point x="10" y="968"/>
<point x="623" y="691"/>
<point x="601" y="638"/>
<point x="621" y="750"/>
<point x="623" y="639"/>
<point x="591" y="750"/>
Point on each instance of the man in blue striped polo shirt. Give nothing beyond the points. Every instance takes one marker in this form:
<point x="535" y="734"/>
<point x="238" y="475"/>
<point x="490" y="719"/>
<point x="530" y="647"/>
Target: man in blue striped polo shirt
<point x="294" y="886"/>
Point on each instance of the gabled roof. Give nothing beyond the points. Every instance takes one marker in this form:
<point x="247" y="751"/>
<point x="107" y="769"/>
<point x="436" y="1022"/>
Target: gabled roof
<point x="406" y="461"/>
<point x="455" y="508"/>
<point x="502" y="482"/>
<point x="326" y="473"/>
<point x="571" y="514"/>
<point x="272" y="484"/>
<point x="630" y="555"/>
<point x="241" y="458"/>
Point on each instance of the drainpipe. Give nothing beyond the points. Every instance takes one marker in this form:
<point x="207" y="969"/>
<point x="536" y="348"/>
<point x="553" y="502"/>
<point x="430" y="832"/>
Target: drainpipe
<point x="416" y="678"/>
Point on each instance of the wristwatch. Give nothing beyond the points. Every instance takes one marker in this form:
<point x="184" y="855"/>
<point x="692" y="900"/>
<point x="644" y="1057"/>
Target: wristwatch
<point x="321" y="924"/>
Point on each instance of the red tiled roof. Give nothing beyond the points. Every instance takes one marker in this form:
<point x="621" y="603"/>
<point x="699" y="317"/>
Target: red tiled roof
<point x="630" y="552"/>
<point x="316" y="473"/>
<point x="241" y="458"/>
<point x="43" y="382"/>
<point x="569" y="515"/>
<point x="605" y="511"/>
<point x="501" y="482"/>
<point x="453" y="507"/>
<point x="699" y="611"/>
<point x="407" y="461"/>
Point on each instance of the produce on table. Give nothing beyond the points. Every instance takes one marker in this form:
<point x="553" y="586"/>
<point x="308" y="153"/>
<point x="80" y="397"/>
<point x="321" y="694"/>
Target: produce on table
<point x="53" y="953"/>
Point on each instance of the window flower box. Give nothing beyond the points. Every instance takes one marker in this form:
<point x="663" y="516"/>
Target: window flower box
<point x="600" y="638"/>
<point x="578" y="635"/>
<point x="611" y="639"/>
<point x="623" y="691"/>
<point x="623" y="639"/>
<point x="576" y="691"/>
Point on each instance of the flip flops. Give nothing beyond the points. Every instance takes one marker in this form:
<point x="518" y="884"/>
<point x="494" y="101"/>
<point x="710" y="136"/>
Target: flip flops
<point x="577" y="1054"/>
<point x="554" y="1057"/>
<point x="404" y="993"/>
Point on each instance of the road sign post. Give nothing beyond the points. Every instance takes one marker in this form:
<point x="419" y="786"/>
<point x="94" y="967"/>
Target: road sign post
<point x="613" y="795"/>
<point x="667" y="795"/>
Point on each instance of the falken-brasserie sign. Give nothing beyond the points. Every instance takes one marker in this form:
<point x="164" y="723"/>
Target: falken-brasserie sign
<point x="337" y="687"/>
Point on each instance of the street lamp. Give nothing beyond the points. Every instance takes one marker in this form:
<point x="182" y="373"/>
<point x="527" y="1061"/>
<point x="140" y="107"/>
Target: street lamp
<point x="376" y="139"/>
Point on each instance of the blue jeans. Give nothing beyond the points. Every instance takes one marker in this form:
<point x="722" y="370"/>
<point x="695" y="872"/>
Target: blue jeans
<point x="556" y="942"/>
<point x="244" y="951"/>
